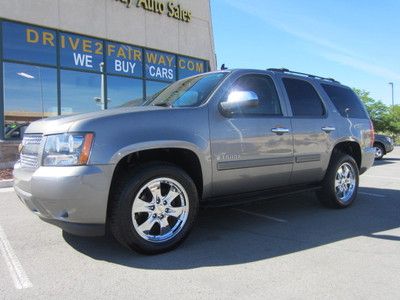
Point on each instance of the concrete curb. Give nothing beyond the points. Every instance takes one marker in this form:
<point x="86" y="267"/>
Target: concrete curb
<point x="6" y="183"/>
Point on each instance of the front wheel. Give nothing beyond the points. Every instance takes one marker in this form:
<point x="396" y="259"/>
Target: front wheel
<point x="154" y="208"/>
<point x="340" y="185"/>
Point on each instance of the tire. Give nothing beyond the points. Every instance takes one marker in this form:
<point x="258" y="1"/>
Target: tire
<point x="379" y="151"/>
<point x="340" y="185"/>
<point x="153" y="208"/>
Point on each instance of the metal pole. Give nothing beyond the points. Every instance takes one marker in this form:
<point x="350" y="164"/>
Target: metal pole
<point x="391" y="83"/>
<point x="102" y="87"/>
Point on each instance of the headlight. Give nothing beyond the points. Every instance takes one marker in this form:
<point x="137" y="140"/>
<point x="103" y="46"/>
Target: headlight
<point x="68" y="149"/>
<point x="388" y="139"/>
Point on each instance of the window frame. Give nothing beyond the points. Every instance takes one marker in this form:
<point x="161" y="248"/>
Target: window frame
<point x="315" y="86"/>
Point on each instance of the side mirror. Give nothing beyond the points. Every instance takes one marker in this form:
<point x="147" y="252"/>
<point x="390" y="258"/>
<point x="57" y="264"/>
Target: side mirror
<point x="238" y="100"/>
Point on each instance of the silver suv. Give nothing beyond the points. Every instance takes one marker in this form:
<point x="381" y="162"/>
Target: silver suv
<point x="215" y="138"/>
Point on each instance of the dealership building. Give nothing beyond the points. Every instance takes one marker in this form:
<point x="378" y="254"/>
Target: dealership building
<point x="61" y="57"/>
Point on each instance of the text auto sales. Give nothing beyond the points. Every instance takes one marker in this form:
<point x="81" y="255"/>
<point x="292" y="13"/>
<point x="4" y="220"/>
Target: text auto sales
<point x="121" y="58"/>
<point x="173" y="10"/>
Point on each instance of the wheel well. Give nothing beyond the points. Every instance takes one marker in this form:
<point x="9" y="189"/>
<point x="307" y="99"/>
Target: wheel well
<point x="183" y="158"/>
<point x="351" y="148"/>
<point x="382" y="145"/>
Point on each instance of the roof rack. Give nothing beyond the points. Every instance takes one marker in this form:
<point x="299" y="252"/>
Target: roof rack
<point x="284" y="70"/>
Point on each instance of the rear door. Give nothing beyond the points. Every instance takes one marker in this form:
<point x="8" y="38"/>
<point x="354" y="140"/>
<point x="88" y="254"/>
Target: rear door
<point x="253" y="149"/>
<point x="313" y="129"/>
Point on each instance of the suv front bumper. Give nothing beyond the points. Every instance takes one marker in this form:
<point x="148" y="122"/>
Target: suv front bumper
<point x="73" y="198"/>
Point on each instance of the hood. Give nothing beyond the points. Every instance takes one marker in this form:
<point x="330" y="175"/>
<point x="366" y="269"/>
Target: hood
<point x="62" y="124"/>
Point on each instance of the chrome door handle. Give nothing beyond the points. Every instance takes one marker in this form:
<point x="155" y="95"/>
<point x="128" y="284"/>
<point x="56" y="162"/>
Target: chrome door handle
<point x="328" y="129"/>
<point x="280" y="130"/>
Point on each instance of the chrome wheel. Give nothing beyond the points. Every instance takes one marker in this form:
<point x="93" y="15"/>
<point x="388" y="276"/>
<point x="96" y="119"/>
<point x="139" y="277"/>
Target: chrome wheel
<point x="345" y="182"/>
<point x="160" y="210"/>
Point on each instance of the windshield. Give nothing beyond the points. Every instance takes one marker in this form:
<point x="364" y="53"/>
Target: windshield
<point x="190" y="92"/>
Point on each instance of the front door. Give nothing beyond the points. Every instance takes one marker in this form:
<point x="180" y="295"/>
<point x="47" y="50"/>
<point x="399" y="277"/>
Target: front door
<point x="253" y="148"/>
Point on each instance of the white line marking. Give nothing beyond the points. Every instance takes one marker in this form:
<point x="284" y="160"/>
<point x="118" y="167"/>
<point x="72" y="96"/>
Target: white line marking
<point x="6" y="190"/>
<point x="371" y="194"/>
<point x="18" y="275"/>
<point x="382" y="177"/>
<point x="260" y="215"/>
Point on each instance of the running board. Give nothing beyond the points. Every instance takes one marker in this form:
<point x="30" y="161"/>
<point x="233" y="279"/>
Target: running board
<point x="237" y="199"/>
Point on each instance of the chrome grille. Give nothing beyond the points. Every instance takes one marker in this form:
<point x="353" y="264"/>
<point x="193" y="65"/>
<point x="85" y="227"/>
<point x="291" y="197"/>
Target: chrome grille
<point x="30" y="150"/>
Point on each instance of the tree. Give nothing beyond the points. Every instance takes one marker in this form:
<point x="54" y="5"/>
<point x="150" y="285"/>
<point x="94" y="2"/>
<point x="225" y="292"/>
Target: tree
<point x="393" y="120"/>
<point x="378" y="111"/>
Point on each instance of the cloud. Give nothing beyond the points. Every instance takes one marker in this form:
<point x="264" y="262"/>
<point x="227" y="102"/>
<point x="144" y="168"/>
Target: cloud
<point x="362" y="65"/>
<point x="328" y="49"/>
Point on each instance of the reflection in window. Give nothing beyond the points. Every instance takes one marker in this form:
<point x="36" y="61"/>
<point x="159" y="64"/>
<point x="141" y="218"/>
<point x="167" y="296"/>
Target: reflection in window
<point x="29" y="43"/>
<point x="80" y="92"/>
<point x="153" y="88"/>
<point x="264" y="88"/>
<point x="30" y="93"/>
<point x="123" y="91"/>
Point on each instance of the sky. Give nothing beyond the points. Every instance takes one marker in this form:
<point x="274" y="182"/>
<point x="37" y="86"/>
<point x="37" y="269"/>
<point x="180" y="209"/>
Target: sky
<point x="356" y="42"/>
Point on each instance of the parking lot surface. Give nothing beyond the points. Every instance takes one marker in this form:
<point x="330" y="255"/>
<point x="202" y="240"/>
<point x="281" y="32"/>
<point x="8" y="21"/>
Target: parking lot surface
<point x="289" y="247"/>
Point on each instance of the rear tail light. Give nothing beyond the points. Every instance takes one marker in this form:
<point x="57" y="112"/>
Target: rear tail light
<point x="371" y="133"/>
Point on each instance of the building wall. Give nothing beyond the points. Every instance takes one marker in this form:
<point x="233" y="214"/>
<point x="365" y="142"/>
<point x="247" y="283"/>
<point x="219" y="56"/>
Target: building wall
<point x="103" y="19"/>
<point x="112" y="19"/>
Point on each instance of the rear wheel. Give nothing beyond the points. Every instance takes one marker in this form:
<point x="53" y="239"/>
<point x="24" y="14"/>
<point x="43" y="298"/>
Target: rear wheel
<point x="340" y="185"/>
<point x="154" y="208"/>
<point x="379" y="151"/>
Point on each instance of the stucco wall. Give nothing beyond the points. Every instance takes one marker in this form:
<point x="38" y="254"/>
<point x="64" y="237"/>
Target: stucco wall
<point x="111" y="19"/>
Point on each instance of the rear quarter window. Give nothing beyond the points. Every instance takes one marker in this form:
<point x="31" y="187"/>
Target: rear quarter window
<point x="345" y="101"/>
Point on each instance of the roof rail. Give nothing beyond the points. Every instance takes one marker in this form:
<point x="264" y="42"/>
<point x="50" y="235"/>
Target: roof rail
<point x="284" y="70"/>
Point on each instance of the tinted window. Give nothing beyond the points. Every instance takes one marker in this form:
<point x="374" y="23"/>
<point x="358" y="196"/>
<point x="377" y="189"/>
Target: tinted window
<point x="303" y="98"/>
<point x="264" y="88"/>
<point x="345" y="101"/>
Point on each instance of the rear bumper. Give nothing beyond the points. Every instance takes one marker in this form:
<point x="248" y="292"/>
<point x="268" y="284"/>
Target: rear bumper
<point x="367" y="159"/>
<point x="389" y="148"/>
<point x="73" y="198"/>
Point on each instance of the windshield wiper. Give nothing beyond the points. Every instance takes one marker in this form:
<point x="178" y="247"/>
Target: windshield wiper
<point x="162" y="104"/>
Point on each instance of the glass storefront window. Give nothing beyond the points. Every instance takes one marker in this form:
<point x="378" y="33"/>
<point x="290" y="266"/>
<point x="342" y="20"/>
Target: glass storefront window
<point x="34" y="56"/>
<point x="153" y="88"/>
<point x="124" y="59"/>
<point x="160" y="65"/>
<point x="80" y="92"/>
<point x="189" y="66"/>
<point x="30" y="93"/>
<point x="29" y="43"/>
<point x="80" y="52"/>
<point x="124" y="91"/>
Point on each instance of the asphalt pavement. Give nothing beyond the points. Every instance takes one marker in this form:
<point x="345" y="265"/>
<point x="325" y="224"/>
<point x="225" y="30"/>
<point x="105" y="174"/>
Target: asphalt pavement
<point x="289" y="247"/>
